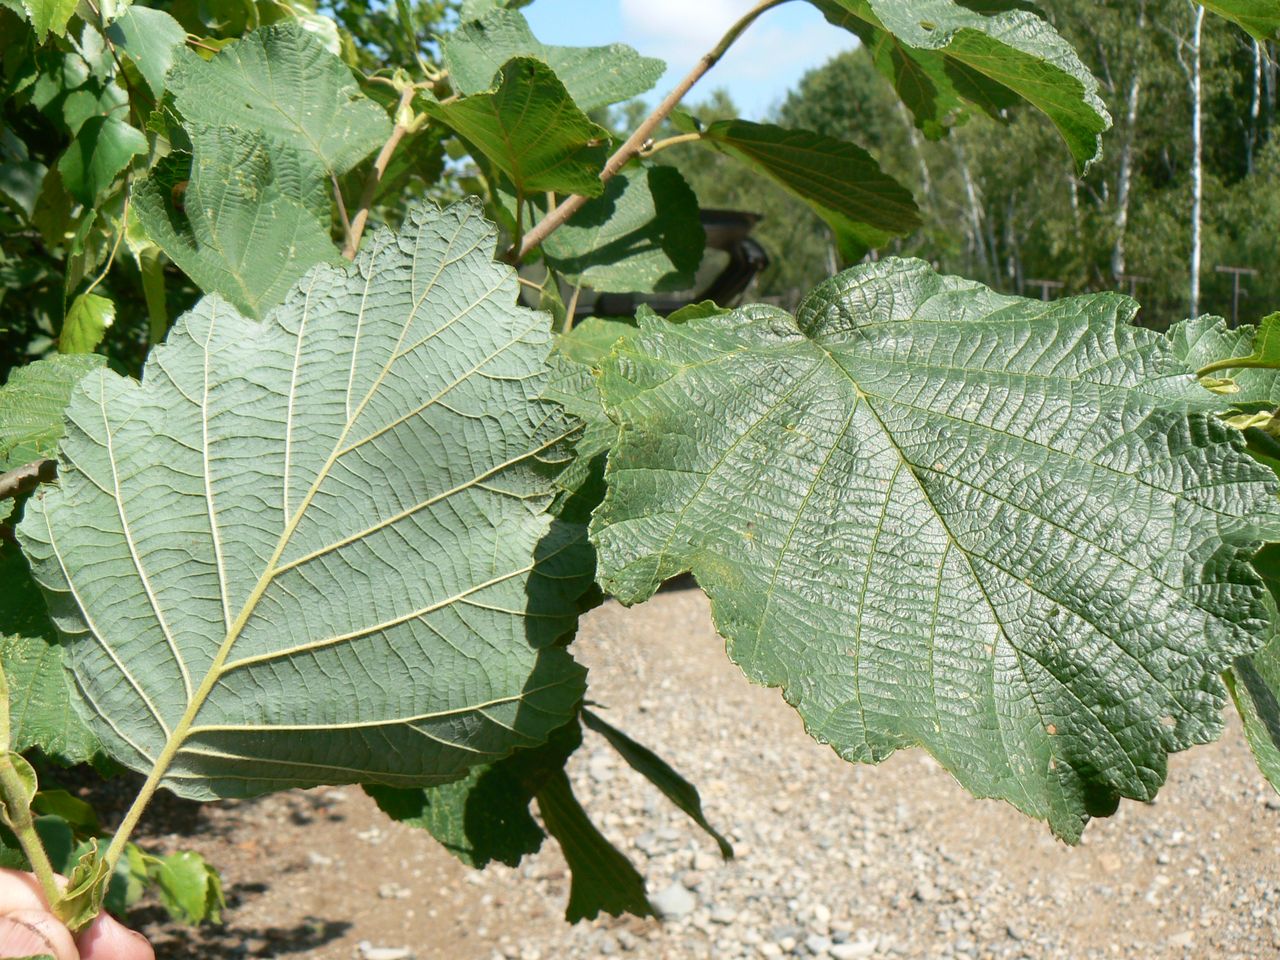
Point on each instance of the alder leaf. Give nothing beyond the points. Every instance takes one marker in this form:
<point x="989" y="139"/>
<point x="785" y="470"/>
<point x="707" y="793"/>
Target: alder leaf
<point x="317" y="549"/>
<point x="151" y="39"/>
<point x="842" y="183"/>
<point x="940" y="54"/>
<point x="1014" y="533"/>
<point x="101" y="150"/>
<point x="281" y="82"/>
<point x="49" y="16"/>
<point x="594" y="76"/>
<point x="643" y="234"/>
<point x="1261" y="18"/>
<point x="1211" y="342"/>
<point x="531" y="130"/>
<point x="252" y="220"/>
<point x="86" y="323"/>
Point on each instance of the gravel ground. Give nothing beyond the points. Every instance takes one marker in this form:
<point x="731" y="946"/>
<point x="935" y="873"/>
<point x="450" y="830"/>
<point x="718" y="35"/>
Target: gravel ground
<point x="832" y="860"/>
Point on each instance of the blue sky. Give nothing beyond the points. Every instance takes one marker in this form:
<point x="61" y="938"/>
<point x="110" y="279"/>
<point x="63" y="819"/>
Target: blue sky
<point x="767" y="61"/>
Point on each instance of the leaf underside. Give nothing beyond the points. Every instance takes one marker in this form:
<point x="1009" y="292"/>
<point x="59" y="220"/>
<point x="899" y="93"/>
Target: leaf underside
<point x="317" y="549"/>
<point x="940" y="55"/>
<point x="594" y="76"/>
<point x="1013" y="533"/>
<point x="281" y="83"/>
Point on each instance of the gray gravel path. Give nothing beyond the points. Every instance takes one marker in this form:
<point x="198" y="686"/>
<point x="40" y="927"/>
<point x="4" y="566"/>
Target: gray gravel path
<point x="834" y="861"/>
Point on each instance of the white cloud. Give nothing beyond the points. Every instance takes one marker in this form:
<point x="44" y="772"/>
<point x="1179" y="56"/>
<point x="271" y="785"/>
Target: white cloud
<point x="766" y="60"/>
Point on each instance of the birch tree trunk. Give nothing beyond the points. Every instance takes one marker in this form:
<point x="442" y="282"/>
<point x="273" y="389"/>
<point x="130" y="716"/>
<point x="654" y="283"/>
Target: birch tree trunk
<point x="1124" y="179"/>
<point x="1197" y="157"/>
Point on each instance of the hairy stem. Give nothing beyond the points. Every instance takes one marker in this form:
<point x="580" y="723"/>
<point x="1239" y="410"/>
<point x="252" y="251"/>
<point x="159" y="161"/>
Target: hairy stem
<point x="635" y="144"/>
<point x="17" y="811"/>
<point x="663" y="144"/>
<point x="375" y="176"/>
<point x="1237" y="363"/>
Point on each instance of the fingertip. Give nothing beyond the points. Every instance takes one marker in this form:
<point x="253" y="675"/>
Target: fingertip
<point x="108" y="939"/>
<point x="25" y="933"/>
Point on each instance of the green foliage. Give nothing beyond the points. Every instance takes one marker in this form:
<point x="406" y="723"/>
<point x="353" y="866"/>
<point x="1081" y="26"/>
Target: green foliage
<point x="593" y="77"/>
<point x="891" y="525"/>
<point x="189" y="888"/>
<point x="86" y="324"/>
<point x="280" y="82"/>
<point x="150" y="39"/>
<point x="642" y="234"/>
<point x="531" y="130"/>
<point x="1260" y="17"/>
<point x="843" y="184"/>
<point x="31" y="405"/>
<point x="940" y="54"/>
<point x="291" y="456"/>
<point x="339" y="531"/>
<point x="252" y="219"/>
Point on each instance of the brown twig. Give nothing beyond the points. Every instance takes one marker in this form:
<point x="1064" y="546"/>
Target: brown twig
<point x="635" y="144"/>
<point x="375" y="176"/>
<point x="26" y="478"/>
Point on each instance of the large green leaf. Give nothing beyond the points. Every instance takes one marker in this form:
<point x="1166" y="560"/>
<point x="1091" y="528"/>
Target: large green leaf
<point x="1210" y="342"/>
<point x="1012" y="532"/>
<point x="316" y="549"/>
<point x="941" y="53"/>
<point x="531" y="130"/>
<point x="31" y="405"/>
<point x="151" y="39"/>
<point x="594" y="76"/>
<point x="1254" y="682"/>
<point x="643" y="234"/>
<point x="864" y="206"/>
<point x="1260" y="17"/>
<point x="253" y="220"/>
<point x="282" y="83"/>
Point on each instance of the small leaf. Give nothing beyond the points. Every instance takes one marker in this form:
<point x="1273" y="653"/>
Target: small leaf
<point x="593" y="76"/>
<point x="1260" y="17"/>
<point x="31" y="405"/>
<point x="660" y="773"/>
<point x="643" y="234"/>
<point x="254" y="218"/>
<point x="991" y="60"/>
<point x="1014" y="533"/>
<point x="281" y="83"/>
<point x="86" y="888"/>
<point x="530" y="128"/>
<point x="86" y="323"/>
<point x="49" y="16"/>
<point x="27" y="779"/>
<point x="150" y="39"/>
<point x="190" y="888"/>
<point x="21" y="182"/>
<point x="101" y="150"/>
<point x="78" y="814"/>
<point x="602" y="879"/>
<point x="843" y="184"/>
<point x="128" y="882"/>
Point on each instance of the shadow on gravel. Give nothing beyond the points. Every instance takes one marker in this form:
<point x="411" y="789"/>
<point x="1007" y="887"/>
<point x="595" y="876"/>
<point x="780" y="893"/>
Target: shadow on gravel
<point x="236" y="942"/>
